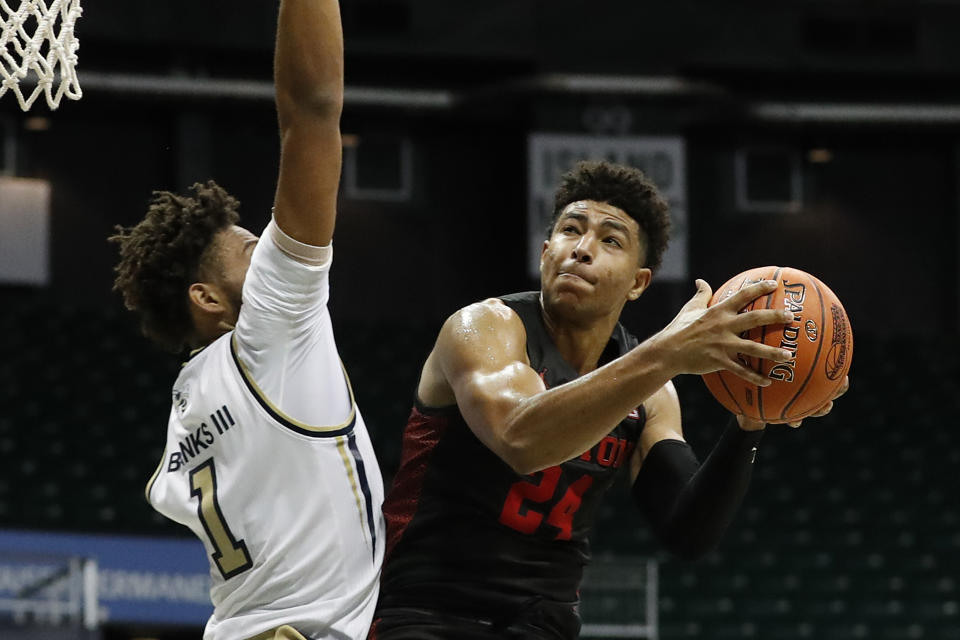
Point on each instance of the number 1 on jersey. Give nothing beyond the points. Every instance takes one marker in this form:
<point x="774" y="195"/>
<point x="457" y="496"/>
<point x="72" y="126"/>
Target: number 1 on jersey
<point x="230" y="554"/>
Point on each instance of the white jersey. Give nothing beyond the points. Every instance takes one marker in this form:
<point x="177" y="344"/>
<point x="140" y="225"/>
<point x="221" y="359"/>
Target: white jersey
<point x="269" y="463"/>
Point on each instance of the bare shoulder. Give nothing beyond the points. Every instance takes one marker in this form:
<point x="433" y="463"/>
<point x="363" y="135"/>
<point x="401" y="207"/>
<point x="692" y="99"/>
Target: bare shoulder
<point x="483" y="321"/>
<point x="483" y="336"/>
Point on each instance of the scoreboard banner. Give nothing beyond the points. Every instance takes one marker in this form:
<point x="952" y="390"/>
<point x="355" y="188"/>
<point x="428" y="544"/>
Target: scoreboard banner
<point x="140" y="579"/>
<point x="661" y="158"/>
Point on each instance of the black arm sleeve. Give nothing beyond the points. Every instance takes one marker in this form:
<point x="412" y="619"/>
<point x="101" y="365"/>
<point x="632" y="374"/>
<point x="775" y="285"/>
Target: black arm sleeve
<point x="688" y="505"/>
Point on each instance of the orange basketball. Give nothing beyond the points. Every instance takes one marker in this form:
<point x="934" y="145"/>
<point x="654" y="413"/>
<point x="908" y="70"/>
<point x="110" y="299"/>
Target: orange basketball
<point x="820" y="337"/>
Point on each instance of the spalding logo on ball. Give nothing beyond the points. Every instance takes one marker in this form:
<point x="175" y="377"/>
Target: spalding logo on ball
<point x="819" y="337"/>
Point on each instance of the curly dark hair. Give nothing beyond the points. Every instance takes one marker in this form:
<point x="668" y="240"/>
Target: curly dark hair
<point x="625" y="188"/>
<point x="168" y="251"/>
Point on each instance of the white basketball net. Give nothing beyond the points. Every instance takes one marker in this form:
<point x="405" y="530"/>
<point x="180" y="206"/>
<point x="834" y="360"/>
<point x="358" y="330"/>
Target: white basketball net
<point x="31" y="42"/>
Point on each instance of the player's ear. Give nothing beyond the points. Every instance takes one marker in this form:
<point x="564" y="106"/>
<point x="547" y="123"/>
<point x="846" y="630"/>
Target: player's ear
<point x="641" y="280"/>
<point x="206" y="297"/>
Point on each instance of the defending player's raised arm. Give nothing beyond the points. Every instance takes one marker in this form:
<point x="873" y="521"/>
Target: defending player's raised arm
<point x="308" y="73"/>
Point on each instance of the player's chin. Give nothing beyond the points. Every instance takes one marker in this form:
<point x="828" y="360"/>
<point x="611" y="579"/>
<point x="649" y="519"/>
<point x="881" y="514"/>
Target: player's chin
<point x="568" y="284"/>
<point x="568" y="293"/>
<point x="573" y="302"/>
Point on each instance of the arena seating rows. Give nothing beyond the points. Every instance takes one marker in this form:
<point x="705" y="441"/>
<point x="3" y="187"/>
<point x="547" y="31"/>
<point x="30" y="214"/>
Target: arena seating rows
<point x="851" y="528"/>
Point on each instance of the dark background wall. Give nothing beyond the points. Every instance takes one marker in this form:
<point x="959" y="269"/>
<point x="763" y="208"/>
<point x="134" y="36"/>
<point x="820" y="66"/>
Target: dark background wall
<point x="886" y="204"/>
<point x="876" y="220"/>
<point x="884" y="208"/>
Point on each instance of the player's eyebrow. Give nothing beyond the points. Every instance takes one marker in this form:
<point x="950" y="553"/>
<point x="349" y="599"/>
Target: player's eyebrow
<point x="574" y="215"/>
<point x="609" y="222"/>
<point x="618" y="226"/>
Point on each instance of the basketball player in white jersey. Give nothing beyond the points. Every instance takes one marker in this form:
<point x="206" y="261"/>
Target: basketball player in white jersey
<point x="267" y="458"/>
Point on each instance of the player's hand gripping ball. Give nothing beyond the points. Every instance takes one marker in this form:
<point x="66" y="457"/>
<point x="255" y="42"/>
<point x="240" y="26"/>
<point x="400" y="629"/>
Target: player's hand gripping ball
<point x="819" y="336"/>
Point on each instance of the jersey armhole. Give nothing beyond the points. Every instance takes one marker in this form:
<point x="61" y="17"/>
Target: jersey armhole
<point x="153" y="478"/>
<point x="426" y="409"/>
<point x="284" y="420"/>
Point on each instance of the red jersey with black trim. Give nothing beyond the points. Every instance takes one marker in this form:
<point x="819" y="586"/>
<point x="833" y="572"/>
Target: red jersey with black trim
<point x="466" y="535"/>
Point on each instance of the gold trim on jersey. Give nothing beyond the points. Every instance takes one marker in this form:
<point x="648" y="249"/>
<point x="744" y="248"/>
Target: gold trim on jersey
<point x="156" y="474"/>
<point x="284" y="419"/>
<point x="193" y="354"/>
<point x="351" y="473"/>
<point x="285" y="632"/>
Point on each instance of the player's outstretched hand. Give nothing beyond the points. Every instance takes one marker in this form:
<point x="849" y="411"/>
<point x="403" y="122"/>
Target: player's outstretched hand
<point x="704" y="339"/>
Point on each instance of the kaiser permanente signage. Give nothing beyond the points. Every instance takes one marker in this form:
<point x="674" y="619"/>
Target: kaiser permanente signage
<point x="660" y="157"/>
<point x="155" y="580"/>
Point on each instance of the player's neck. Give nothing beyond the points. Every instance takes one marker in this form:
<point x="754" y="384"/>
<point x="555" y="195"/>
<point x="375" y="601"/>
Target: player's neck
<point x="209" y="325"/>
<point x="580" y="344"/>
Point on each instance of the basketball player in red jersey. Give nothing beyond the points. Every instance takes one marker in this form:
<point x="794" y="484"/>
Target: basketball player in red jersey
<point x="527" y="406"/>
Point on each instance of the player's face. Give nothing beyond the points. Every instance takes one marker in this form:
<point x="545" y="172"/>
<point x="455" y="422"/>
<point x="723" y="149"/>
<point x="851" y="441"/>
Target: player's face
<point x="590" y="266"/>
<point x="236" y="247"/>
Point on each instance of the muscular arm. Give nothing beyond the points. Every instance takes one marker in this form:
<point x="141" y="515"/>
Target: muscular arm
<point x="283" y="335"/>
<point x="308" y="73"/>
<point x="480" y="363"/>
